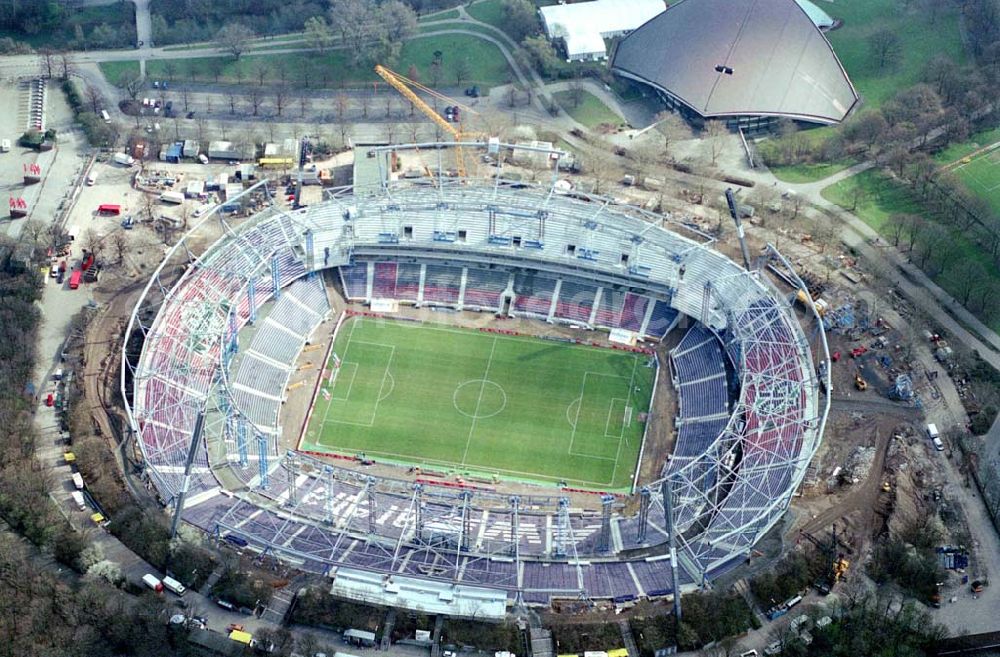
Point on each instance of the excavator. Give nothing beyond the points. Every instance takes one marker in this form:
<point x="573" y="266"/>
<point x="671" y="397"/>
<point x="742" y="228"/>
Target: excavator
<point x="403" y="85"/>
<point x="859" y="382"/>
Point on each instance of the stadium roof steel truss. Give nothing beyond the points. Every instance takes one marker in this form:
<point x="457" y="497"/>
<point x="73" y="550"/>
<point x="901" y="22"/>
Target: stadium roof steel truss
<point x="724" y="499"/>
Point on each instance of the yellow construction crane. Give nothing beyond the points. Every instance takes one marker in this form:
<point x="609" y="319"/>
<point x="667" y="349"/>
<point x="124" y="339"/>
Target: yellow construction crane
<point x="402" y="84"/>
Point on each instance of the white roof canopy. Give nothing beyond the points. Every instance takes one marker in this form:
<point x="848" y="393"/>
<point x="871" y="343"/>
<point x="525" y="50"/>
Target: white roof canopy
<point x="584" y="25"/>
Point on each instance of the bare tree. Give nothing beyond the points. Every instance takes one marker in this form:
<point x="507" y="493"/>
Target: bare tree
<point x="365" y="101"/>
<point x="170" y="69"/>
<point x="462" y="70"/>
<point x="671" y="128"/>
<point x="94" y="98"/>
<point x="256" y="97"/>
<point x="47" y="62"/>
<point x="132" y="84"/>
<point x="231" y="97"/>
<point x="259" y="71"/>
<point x="390" y="129"/>
<point x="233" y="38"/>
<point x="304" y="103"/>
<point x="340" y="105"/>
<point x="715" y="133"/>
<point x="576" y="92"/>
<point x="216" y="66"/>
<point x="119" y="246"/>
<point x="93" y="242"/>
<point x="35" y="230"/>
<point x="280" y="98"/>
<point x="186" y="99"/>
<point x="281" y="70"/>
<point x="67" y="65"/>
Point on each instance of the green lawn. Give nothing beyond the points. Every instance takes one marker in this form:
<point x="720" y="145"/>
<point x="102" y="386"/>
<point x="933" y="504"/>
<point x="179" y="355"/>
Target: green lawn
<point x="485" y="64"/>
<point x="883" y="197"/>
<point x="481" y="403"/>
<point x="591" y="112"/>
<point x="487" y="11"/>
<point x="923" y="38"/>
<point x="805" y="173"/>
<point x="113" y="71"/>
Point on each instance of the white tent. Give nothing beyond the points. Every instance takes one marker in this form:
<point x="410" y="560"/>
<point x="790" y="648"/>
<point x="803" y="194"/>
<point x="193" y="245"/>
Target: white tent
<point x="584" y="25"/>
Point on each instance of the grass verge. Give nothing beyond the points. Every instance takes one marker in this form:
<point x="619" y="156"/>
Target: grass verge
<point x="590" y="111"/>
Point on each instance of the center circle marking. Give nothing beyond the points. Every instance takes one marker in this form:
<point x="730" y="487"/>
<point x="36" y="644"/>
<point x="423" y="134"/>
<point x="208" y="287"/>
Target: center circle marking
<point x="479" y="399"/>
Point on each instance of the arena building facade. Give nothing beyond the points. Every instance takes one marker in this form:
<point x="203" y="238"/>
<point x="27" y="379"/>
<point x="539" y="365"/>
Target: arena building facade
<point x="204" y="404"/>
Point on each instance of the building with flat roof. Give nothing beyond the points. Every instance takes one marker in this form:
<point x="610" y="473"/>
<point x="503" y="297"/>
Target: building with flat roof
<point x="747" y="62"/>
<point x="583" y="26"/>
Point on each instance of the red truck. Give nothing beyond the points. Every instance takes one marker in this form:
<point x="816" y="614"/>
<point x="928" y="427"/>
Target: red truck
<point x="74" y="280"/>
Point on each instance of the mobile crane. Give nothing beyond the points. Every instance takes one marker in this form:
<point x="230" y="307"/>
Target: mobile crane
<point x="402" y="84"/>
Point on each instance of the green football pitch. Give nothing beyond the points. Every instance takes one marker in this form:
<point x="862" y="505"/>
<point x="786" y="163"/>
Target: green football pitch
<point x="483" y="403"/>
<point x="982" y="176"/>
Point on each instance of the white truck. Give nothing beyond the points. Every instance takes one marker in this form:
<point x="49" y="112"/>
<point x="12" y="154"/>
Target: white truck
<point x="124" y="159"/>
<point x="172" y="197"/>
<point x="153" y="582"/>
<point x="935" y="436"/>
<point x="78" y="500"/>
<point x="78" y="480"/>
<point x="172" y="585"/>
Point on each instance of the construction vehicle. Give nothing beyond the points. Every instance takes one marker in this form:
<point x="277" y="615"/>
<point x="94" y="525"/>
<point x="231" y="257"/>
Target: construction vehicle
<point x="838" y="565"/>
<point x="859" y="382"/>
<point x="403" y="85"/>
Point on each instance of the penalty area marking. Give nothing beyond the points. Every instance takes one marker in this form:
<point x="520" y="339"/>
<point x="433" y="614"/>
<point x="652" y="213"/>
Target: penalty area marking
<point x="337" y="378"/>
<point x="386" y="376"/>
<point x="625" y="414"/>
<point x="579" y="407"/>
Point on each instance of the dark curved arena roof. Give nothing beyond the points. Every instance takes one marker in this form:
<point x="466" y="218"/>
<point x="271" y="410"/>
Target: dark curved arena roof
<point x="737" y="58"/>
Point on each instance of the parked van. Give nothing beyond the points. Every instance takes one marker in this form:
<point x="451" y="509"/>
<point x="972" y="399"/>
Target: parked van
<point x="4" y="145"/>
<point x="91" y="178"/>
<point x="106" y="116"/>
<point x="938" y="444"/>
